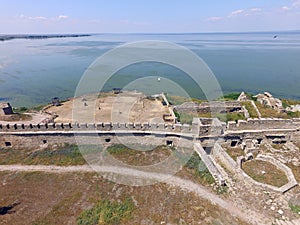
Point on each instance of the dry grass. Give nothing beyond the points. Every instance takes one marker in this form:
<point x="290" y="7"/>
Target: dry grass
<point x="268" y="112"/>
<point x="273" y="176"/>
<point x="17" y="117"/>
<point x="60" y="198"/>
<point x="250" y="108"/>
<point x="234" y="152"/>
<point x="65" y="156"/>
<point x="139" y="158"/>
<point x="296" y="171"/>
<point x="178" y="100"/>
<point x="289" y="102"/>
<point x="277" y="146"/>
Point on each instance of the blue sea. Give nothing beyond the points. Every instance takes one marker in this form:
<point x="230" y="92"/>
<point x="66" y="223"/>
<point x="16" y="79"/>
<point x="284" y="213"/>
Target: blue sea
<point x="32" y="71"/>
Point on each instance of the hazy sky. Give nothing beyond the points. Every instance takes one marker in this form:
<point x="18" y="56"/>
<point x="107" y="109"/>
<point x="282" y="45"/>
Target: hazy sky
<point x="119" y="16"/>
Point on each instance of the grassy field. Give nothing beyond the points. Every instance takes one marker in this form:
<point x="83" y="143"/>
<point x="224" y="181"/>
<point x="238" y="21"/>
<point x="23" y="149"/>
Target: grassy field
<point x="65" y="156"/>
<point x="250" y="108"/>
<point x="196" y="169"/>
<point x="272" y="176"/>
<point x="230" y="96"/>
<point x="178" y="100"/>
<point x="187" y="118"/>
<point x="268" y="112"/>
<point x="107" y="212"/>
<point x="234" y="152"/>
<point x="139" y="158"/>
<point x="289" y="102"/>
<point x="18" y="117"/>
<point x="70" y="198"/>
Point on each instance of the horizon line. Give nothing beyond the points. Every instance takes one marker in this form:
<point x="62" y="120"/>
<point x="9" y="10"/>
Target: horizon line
<point x="102" y="33"/>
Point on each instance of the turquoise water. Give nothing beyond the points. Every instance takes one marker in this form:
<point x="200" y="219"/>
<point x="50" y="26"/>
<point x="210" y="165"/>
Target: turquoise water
<point x="34" y="71"/>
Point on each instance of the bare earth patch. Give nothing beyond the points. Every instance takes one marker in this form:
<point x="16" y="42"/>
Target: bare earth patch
<point x="107" y="107"/>
<point x="265" y="172"/>
<point x="139" y="158"/>
<point x="59" y="198"/>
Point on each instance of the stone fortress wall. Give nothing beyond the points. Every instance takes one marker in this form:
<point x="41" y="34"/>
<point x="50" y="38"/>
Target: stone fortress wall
<point x="20" y="136"/>
<point x="208" y="132"/>
<point x="203" y="125"/>
<point x="201" y="128"/>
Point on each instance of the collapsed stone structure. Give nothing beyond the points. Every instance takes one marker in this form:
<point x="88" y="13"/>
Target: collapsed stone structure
<point x="267" y="99"/>
<point x="293" y="108"/>
<point x="242" y="97"/>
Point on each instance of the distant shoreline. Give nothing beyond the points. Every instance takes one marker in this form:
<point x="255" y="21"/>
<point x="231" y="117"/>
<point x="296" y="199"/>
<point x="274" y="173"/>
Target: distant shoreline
<point x="8" y="37"/>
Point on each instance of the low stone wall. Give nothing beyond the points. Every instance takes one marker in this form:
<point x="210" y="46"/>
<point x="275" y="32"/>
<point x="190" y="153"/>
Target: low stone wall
<point x="209" y="163"/>
<point x="291" y="179"/>
<point x="288" y="172"/>
<point x="220" y="155"/>
<point x="263" y="124"/>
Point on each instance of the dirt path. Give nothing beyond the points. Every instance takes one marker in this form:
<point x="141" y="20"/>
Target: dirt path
<point x="249" y="216"/>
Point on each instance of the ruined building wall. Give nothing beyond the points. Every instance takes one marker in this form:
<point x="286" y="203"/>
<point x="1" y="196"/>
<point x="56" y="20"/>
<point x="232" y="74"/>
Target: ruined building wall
<point x="263" y="124"/>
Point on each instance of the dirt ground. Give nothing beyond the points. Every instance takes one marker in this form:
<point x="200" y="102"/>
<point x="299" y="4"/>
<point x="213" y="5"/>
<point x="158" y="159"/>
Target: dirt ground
<point x="124" y="107"/>
<point x="267" y="202"/>
<point x="42" y="198"/>
<point x="35" y="119"/>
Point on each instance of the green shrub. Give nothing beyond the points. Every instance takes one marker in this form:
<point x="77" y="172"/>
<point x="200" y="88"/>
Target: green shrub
<point x="231" y="96"/>
<point x="230" y="116"/>
<point x="294" y="208"/>
<point x="200" y="170"/>
<point x="106" y="212"/>
<point x="252" y="112"/>
<point x="186" y="118"/>
<point x="20" y="109"/>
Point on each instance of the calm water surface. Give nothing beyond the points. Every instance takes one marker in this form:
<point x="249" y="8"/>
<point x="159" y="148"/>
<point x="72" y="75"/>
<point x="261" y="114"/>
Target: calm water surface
<point x="34" y="71"/>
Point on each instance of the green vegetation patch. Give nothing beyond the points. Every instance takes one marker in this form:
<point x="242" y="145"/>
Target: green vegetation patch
<point x="267" y="112"/>
<point x="138" y="157"/>
<point x="185" y="118"/>
<point x="294" y="208"/>
<point x="230" y="96"/>
<point x="20" y="109"/>
<point x="64" y="156"/>
<point x="235" y="95"/>
<point x="107" y="212"/>
<point x="289" y="102"/>
<point x="252" y="112"/>
<point x="272" y="176"/>
<point x="178" y="100"/>
<point x="234" y="116"/>
<point x="199" y="169"/>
